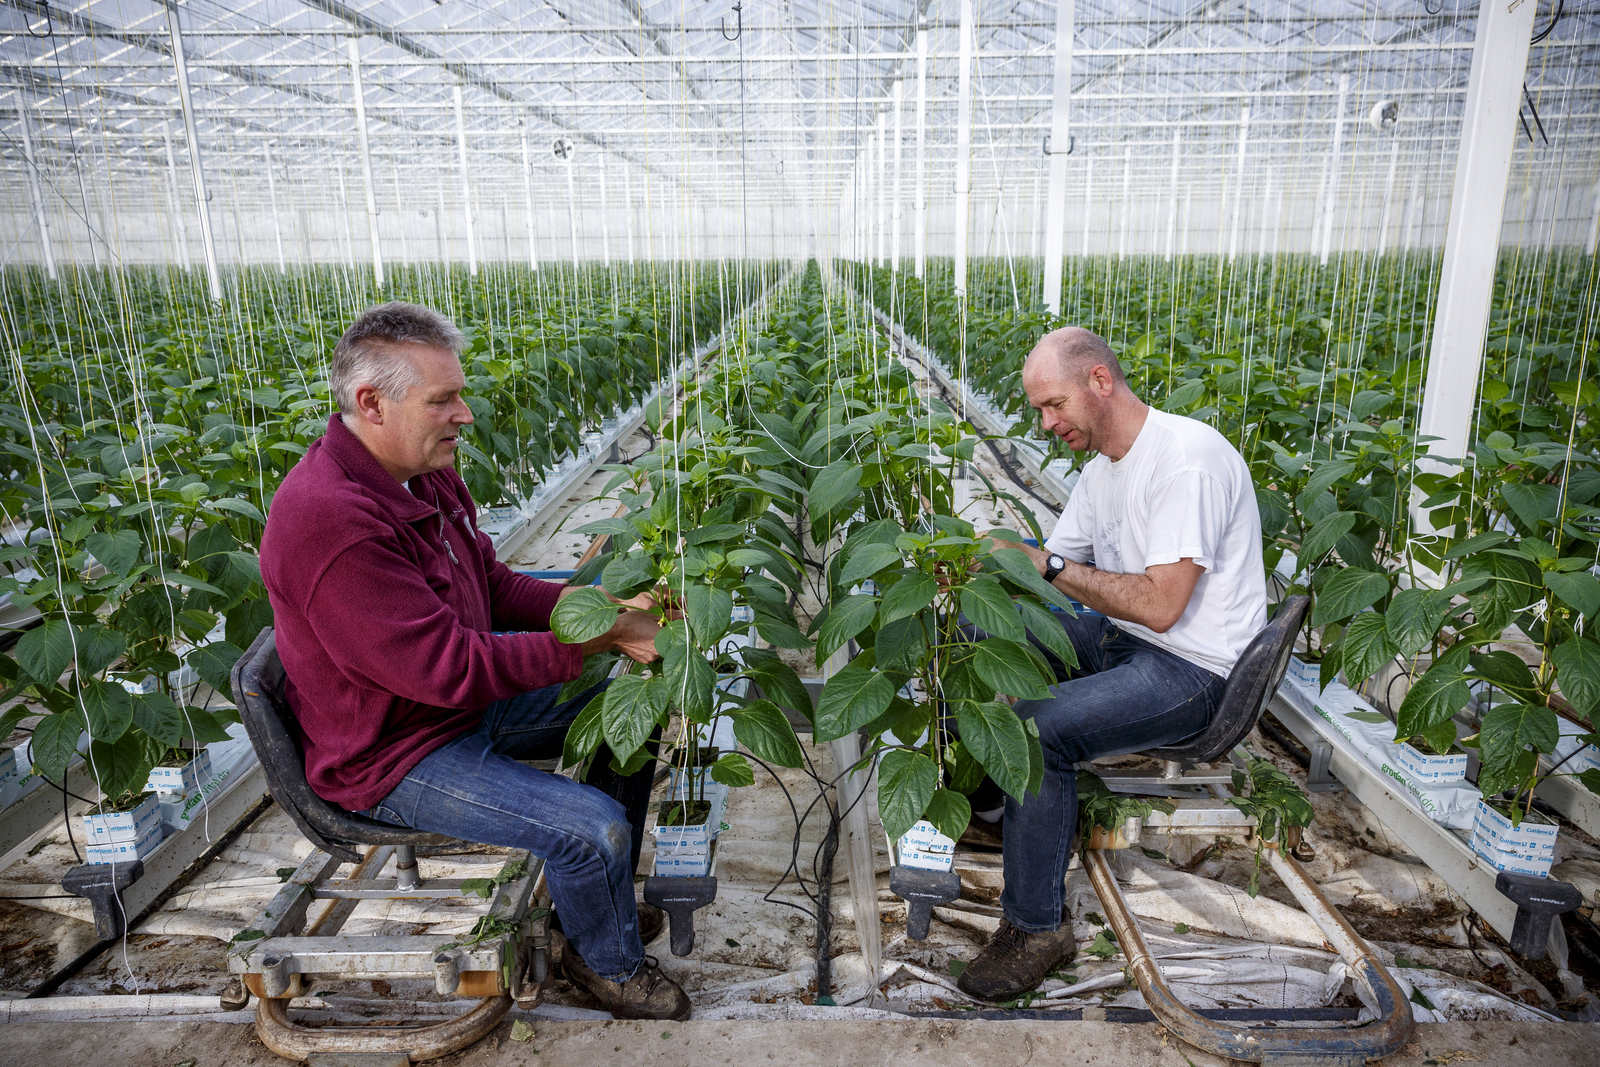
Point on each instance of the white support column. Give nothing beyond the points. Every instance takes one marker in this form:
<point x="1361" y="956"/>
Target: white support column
<point x="1472" y="241"/>
<point x="344" y="219"/>
<point x="1188" y="216"/>
<point x="466" y="191"/>
<point x="88" y="214"/>
<point x="202" y="198"/>
<point x="920" y="210"/>
<point x="33" y="187"/>
<point x="572" y="212"/>
<point x="605" y="214"/>
<point x="899" y="178"/>
<point x="627" y="206"/>
<point x="1172" y="196"/>
<point x="1127" y="178"/>
<point x="1238" y="184"/>
<point x="180" y="231"/>
<point x="1388" y="197"/>
<point x="400" y="212"/>
<point x="1266" y="214"/>
<point x="527" y="200"/>
<point x="438" y="224"/>
<point x="880" y="189"/>
<point x="1088" y="202"/>
<point x="366" y="160"/>
<point x="1594" y="223"/>
<point x="1333" y="168"/>
<point x="1055" y="227"/>
<point x="963" y="147"/>
<point x="272" y="198"/>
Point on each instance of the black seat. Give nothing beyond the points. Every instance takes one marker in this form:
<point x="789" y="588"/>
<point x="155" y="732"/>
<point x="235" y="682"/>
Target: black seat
<point x="258" y="679"/>
<point x="1250" y="685"/>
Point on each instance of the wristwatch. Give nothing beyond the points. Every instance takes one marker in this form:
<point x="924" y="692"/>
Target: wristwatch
<point x="1053" y="566"/>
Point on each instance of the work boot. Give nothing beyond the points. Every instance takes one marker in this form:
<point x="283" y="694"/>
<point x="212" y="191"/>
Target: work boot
<point x="649" y="994"/>
<point x="1015" y="961"/>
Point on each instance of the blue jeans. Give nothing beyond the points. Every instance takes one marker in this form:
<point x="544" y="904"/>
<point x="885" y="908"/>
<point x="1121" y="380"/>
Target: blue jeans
<point x="590" y="835"/>
<point x="1126" y="695"/>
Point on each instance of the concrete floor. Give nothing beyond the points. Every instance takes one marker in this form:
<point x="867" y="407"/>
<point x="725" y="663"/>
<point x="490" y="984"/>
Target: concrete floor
<point x="794" y="1044"/>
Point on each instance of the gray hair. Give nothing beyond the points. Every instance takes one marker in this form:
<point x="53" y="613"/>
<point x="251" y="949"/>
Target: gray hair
<point x="1079" y="351"/>
<point x="366" y="354"/>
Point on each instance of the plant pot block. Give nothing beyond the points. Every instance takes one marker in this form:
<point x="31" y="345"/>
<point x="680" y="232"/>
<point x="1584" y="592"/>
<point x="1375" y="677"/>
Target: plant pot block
<point x="925" y="848"/>
<point x="183" y="780"/>
<point x="680" y="898"/>
<point x="1426" y="767"/>
<point x="119" y="826"/>
<point x="922" y="890"/>
<point x="125" y="851"/>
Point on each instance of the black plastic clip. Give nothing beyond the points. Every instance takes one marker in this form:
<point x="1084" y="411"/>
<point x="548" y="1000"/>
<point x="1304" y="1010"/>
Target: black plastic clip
<point x="102" y="884"/>
<point x="680" y="898"/>
<point x="922" y="891"/>
<point x="1538" y="901"/>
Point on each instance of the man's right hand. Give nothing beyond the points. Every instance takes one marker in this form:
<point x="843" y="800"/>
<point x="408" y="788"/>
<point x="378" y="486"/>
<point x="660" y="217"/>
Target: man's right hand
<point x="633" y="634"/>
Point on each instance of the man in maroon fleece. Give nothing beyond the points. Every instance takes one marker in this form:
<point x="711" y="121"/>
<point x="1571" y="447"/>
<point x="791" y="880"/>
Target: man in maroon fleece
<point x="421" y="670"/>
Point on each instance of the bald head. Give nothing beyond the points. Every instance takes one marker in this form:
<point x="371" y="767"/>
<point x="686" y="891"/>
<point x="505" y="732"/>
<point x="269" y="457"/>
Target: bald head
<point x="1073" y="353"/>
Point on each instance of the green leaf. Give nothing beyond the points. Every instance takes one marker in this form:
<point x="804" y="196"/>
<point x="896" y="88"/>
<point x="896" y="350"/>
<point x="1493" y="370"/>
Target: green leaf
<point x="908" y="596"/>
<point x="1504" y="740"/>
<point x="733" y="770"/>
<point x="1577" y="662"/>
<point x="994" y="735"/>
<point x="585" y="734"/>
<point x="688" y="676"/>
<point x="98" y="648"/>
<point x="1180" y="929"/>
<point x="158" y="716"/>
<point x="780" y="684"/>
<point x="583" y="616"/>
<point x="949" y="812"/>
<point x="709" y="611"/>
<point x="213" y="662"/>
<point x="1346" y="593"/>
<point x="1420" y="999"/>
<point x="124" y="765"/>
<point x="906" y="783"/>
<point x="1043" y="627"/>
<point x="201" y="726"/>
<point x="55" y="742"/>
<point x="903" y="645"/>
<point x="596" y="669"/>
<point x="107" y="709"/>
<point x="1321" y="538"/>
<point x="1366" y="647"/>
<point x="1580" y="590"/>
<point x="866" y="561"/>
<point x="1104" y="945"/>
<point x="1020" y="569"/>
<point x="779" y="633"/>
<point x="1007" y="667"/>
<point x="762" y="728"/>
<point x="834" y="487"/>
<point x="116" y="552"/>
<point x="477" y="887"/>
<point x="1035" y="757"/>
<point x="986" y="603"/>
<point x="633" y="706"/>
<point x="847" y="617"/>
<point x="1414" y="617"/>
<point x="1432" y="700"/>
<point x="851" y="699"/>
<point x="239" y="507"/>
<point x="46" y="650"/>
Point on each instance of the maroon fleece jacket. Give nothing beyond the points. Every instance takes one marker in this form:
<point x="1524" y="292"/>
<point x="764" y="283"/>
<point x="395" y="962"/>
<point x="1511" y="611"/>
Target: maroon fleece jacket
<point x="383" y="601"/>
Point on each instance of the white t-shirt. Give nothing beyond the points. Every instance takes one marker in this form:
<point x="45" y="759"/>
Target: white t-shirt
<point x="1182" y="491"/>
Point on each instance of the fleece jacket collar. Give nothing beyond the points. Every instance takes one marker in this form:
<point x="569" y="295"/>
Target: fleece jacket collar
<point x="364" y="469"/>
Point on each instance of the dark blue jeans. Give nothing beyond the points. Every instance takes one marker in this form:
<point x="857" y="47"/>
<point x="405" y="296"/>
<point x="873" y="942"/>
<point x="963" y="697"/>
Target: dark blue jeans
<point x="590" y="835"/>
<point x="1126" y="695"/>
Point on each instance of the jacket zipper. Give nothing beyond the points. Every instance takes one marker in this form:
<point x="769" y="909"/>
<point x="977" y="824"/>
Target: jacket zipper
<point x="444" y="535"/>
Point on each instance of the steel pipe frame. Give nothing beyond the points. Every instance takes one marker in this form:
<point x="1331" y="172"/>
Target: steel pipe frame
<point x="295" y="1042"/>
<point x="354" y="45"/>
<point x="202" y="198"/>
<point x="1344" y="1047"/>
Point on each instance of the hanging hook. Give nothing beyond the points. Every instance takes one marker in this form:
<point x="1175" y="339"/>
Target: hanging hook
<point x="738" y="10"/>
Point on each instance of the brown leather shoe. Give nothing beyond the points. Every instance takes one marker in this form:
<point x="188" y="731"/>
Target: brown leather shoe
<point x="649" y="994"/>
<point x="1015" y="961"/>
<point x="652" y="920"/>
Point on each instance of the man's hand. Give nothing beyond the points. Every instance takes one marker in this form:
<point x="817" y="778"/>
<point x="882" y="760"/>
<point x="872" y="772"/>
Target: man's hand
<point x="633" y="634"/>
<point x="648" y="600"/>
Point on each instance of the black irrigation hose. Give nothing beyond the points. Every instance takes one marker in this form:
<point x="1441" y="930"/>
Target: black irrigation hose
<point x="1015" y="475"/>
<point x="830" y="847"/>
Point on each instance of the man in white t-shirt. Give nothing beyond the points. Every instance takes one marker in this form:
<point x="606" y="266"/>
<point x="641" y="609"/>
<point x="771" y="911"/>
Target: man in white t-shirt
<point x="1161" y="540"/>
